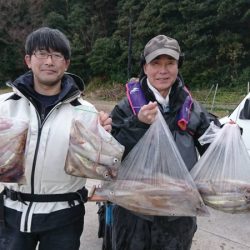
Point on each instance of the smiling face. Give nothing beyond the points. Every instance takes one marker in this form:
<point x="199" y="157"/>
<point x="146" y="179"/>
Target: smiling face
<point x="162" y="73"/>
<point x="47" y="72"/>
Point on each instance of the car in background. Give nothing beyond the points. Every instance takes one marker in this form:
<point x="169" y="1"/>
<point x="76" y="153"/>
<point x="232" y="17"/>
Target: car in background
<point x="241" y="116"/>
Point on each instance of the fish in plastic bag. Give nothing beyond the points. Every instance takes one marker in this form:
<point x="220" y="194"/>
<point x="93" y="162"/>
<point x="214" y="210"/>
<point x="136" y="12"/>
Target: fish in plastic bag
<point x="222" y="174"/>
<point x="153" y="178"/>
<point x="13" y="134"/>
<point x="93" y="152"/>
<point x="169" y="197"/>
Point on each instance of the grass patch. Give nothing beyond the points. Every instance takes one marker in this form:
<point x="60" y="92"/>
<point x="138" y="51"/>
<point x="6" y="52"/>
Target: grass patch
<point x="105" y="91"/>
<point x="221" y="104"/>
<point x="5" y="90"/>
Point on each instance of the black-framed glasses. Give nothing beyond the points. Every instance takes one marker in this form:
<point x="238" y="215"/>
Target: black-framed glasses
<point x="42" y="54"/>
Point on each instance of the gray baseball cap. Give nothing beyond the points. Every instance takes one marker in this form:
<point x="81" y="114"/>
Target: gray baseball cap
<point x="161" y="45"/>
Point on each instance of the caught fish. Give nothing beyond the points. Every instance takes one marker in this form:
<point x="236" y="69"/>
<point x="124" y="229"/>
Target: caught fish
<point x="228" y="202"/>
<point x="7" y="159"/>
<point x="228" y="185"/>
<point x="14" y="174"/>
<point x="78" y="165"/>
<point x="93" y="154"/>
<point x="230" y="196"/>
<point x="12" y="147"/>
<point x="168" y="198"/>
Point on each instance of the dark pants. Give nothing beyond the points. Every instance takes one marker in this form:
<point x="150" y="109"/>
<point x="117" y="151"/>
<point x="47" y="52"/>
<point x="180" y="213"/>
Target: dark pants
<point x="130" y="232"/>
<point x="5" y="237"/>
<point x="63" y="238"/>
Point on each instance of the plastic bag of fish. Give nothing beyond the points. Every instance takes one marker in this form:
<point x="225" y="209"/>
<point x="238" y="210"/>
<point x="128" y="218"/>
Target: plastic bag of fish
<point x="93" y="152"/>
<point x="228" y="195"/>
<point x="222" y="174"/>
<point x="153" y="178"/>
<point x="13" y="134"/>
<point x="165" y="197"/>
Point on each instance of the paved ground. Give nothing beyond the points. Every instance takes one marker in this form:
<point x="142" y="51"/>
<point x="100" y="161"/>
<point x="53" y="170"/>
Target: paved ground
<point x="220" y="231"/>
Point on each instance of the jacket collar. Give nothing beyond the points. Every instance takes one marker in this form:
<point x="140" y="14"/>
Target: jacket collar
<point x="176" y="97"/>
<point x="70" y="87"/>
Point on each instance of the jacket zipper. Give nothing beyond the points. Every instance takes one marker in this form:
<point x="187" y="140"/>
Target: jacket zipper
<point x="40" y="126"/>
<point x="33" y="169"/>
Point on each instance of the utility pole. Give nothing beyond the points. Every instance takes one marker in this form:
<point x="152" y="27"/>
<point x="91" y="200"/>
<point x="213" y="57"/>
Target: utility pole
<point x="129" y="46"/>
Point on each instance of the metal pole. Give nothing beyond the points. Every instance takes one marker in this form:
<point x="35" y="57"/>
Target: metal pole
<point x="129" y="46"/>
<point x="209" y="93"/>
<point x="247" y="87"/>
<point x="215" y="92"/>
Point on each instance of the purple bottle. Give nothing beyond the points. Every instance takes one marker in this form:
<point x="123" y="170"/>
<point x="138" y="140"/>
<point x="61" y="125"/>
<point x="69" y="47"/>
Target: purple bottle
<point x="135" y="96"/>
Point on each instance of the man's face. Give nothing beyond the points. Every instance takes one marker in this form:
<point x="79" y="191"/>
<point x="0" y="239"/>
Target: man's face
<point x="47" y="70"/>
<point x="162" y="73"/>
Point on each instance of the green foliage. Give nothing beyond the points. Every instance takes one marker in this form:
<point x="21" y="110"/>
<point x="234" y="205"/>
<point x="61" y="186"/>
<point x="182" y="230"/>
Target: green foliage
<point x="244" y="77"/>
<point x="9" y="60"/>
<point x="58" y="6"/>
<point x="55" y="20"/>
<point x="107" y="34"/>
<point x="104" y="59"/>
<point x="78" y="59"/>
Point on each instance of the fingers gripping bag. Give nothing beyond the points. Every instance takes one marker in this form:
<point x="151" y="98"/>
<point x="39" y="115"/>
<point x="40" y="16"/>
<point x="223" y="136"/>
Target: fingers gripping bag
<point x="153" y="178"/>
<point x="13" y="135"/>
<point x="222" y="174"/>
<point x="93" y="152"/>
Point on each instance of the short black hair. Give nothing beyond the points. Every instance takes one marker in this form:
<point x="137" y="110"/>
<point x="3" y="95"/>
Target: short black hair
<point x="45" y="39"/>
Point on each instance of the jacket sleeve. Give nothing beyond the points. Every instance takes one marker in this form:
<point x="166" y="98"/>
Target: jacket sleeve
<point x="126" y="127"/>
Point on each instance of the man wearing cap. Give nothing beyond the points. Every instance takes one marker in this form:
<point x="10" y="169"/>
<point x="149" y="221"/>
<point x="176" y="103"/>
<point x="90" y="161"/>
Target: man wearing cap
<point x="164" y="90"/>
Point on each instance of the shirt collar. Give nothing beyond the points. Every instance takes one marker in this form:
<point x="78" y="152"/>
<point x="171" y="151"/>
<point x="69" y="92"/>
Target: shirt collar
<point x="163" y="101"/>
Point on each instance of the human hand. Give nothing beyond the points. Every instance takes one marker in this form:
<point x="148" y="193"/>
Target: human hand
<point x="105" y="121"/>
<point x="148" y="113"/>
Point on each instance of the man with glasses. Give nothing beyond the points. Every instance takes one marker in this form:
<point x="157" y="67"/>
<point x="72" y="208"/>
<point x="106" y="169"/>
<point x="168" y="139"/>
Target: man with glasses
<point x="49" y="208"/>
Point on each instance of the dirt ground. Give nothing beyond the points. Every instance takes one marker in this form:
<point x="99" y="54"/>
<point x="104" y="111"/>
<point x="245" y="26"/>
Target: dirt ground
<point x="101" y="105"/>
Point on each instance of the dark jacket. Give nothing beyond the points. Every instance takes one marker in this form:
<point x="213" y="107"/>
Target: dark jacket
<point x="127" y="129"/>
<point x="131" y="231"/>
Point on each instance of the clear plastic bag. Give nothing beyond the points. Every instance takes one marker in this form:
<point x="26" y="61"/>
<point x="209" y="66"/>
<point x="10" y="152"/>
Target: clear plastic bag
<point x="13" y="135"/>
<point x="210" y="134"/>
<point x="153" y="179"/>
<point x="222" y="174"/>
<point x="93" y="152"/>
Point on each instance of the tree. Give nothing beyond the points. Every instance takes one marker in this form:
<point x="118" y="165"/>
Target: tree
<point x="213" y="34"/>
<point x="104" y="61"/>
<point x="17" y="19"/>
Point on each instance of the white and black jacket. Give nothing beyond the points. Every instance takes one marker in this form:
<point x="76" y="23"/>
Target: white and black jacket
<point x="45" y="154"/>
